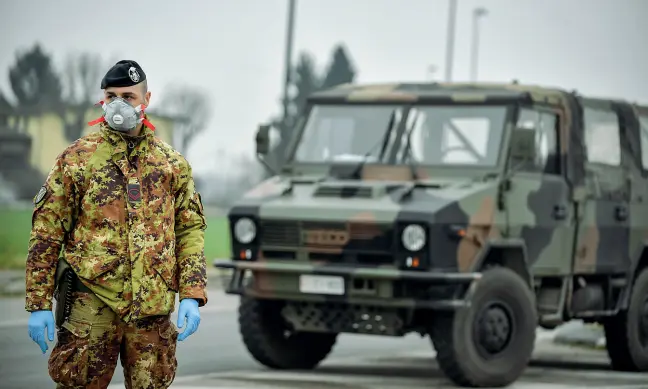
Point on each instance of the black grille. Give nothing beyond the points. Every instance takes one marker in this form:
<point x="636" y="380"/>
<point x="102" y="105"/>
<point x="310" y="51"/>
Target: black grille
<point x="363" y="236"/>
<point x="343" y="191"/>
<point x="283" y="234"/>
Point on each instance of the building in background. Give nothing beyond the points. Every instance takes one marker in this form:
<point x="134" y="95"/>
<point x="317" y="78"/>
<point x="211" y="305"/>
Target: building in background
<point x="31" y="141"/>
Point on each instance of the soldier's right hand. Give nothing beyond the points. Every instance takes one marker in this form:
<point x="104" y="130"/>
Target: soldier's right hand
<point x="38" y="320"/>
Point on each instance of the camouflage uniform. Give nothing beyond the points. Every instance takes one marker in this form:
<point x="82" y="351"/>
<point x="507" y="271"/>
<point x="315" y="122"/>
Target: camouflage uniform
<point x="92" y="338"/>
<point x="132" y="226"/>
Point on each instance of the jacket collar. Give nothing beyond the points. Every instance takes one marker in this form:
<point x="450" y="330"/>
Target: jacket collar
<point x="120" y="141"/>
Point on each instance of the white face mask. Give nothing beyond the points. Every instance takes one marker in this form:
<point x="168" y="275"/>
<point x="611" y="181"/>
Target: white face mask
<point x="122" y="116"/>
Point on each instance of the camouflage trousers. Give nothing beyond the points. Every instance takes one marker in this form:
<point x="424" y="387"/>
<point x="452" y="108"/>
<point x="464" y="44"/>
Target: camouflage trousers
<point x="89" y="342"/>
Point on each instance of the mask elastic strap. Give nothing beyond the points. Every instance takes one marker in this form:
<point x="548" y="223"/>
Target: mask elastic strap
<point x="102" y="118"/>
<point x="142" y="119"/>
<point x="148" y="124"/>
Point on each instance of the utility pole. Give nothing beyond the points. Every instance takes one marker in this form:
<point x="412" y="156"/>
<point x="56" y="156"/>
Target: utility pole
<point x="288" y="59"/>
<point x="450" y="39"/>
<point x="478" y="13"/>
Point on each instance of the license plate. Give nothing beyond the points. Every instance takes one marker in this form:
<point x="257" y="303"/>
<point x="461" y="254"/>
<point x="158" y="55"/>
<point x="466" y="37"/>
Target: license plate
<point x="321" y="285"/>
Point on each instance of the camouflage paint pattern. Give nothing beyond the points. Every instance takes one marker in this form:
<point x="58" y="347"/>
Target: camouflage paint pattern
<point x="566" y="223"/>
<point x="139" y="232"/>
<point x="91" y="340"/>
<point x="368" y="217"/>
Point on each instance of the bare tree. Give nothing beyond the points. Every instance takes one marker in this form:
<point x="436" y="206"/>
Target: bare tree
<point x="193" y="105"/>
<point x="81" y="78"/>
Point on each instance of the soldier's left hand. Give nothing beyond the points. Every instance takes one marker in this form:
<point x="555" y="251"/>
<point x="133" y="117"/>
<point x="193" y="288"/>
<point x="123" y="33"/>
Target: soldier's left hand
<point x="188" y="311"/>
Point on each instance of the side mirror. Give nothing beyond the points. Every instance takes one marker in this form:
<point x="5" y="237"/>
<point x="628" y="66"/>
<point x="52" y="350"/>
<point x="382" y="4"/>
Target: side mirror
<point x="523" y="144"/>
<point x="263" y="139"/>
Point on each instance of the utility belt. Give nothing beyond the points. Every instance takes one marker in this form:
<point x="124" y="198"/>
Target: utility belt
<point x="66" y="283"/>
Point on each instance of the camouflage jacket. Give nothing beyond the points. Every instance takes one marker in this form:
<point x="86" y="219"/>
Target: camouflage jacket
<point x="132" y="228"/>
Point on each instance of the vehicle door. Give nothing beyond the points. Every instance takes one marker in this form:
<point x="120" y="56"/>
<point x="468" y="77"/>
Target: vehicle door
<point x="602" y="244"/>
<point x="638" y="143"/>
<point x="538" y="207"/>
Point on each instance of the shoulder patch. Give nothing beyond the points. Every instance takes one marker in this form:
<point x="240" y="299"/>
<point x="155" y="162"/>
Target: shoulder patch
<point x="198" y="199"/>
<point x="40" y="196"/>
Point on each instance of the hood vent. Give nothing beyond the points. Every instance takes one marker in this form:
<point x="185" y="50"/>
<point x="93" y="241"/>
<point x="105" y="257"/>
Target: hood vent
<point x="343" y="191"/>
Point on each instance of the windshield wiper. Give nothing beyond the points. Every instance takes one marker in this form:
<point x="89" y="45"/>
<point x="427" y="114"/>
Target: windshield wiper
<point x="382" y="141"/>
<point x="408" y="149"/>
<point x="410" y="162"/>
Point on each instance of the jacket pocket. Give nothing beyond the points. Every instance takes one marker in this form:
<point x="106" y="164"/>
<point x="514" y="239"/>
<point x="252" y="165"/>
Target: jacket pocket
<point x="167" y="362"/>
<point x="166" y="268"/>
<point x="68" y="363"/>
<point x="92" y="265"/>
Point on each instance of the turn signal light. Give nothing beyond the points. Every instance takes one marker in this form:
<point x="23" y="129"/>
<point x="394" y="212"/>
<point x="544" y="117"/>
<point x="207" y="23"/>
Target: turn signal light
<point x="413" y="262"/>
<point x="245" y="254"/>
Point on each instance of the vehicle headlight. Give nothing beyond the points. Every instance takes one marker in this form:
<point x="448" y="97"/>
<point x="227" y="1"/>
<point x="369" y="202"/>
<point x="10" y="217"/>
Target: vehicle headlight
<point x="244" y="230"/>
<point x="413" y="237"/>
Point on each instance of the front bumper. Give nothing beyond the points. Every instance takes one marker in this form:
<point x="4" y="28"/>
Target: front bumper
<point x="236" y="285"/>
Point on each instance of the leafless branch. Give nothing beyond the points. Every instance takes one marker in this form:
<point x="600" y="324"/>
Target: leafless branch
<point x="191" y="103"/>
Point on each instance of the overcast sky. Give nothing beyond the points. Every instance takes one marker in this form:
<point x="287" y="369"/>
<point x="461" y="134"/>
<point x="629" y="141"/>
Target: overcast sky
<point x="235" y="48"/>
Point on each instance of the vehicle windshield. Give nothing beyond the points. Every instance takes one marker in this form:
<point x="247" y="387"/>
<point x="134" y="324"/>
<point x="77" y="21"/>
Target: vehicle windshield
<point x="456" y="134"/>
<point x="437" y="135"/>
<point x="345" y="132"/>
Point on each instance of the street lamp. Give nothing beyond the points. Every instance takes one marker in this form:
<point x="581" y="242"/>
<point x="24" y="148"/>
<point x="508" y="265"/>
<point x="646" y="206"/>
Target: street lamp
<point x="450" y="39"/>
<point x="478" y="13"/>
<point x="290" y="20"/>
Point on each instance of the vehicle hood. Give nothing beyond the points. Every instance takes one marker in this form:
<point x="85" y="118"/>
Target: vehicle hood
<point x="454" y="200"/>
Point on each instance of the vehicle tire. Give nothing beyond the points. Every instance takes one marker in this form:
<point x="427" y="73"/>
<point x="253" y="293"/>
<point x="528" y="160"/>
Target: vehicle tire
<point x="269" y="340"/>
<point x="626" y="334"/>
<point x="489" y="343"/>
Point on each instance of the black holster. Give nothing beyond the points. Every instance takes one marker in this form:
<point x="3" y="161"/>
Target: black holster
<point x="66" y="283"/>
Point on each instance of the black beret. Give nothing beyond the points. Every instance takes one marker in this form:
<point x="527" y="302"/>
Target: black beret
<point x="123" y="73"/>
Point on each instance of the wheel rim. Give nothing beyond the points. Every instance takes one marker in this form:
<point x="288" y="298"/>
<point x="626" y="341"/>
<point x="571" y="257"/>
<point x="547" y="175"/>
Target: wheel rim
<point x="493" y="329"/>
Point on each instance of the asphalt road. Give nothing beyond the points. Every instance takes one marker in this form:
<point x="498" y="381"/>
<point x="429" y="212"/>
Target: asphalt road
<point x="214" y="357"/>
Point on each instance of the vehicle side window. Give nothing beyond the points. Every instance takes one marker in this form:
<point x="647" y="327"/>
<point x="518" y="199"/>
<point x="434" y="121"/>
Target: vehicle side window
<point x="643" y="127"/>
<point x="544" y="123"/>
<point x="602" y="139"/>
<point x="605" y="177"/>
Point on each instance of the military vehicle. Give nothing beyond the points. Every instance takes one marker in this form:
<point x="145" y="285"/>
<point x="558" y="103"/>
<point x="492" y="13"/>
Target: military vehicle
<point x="472" y="213"/>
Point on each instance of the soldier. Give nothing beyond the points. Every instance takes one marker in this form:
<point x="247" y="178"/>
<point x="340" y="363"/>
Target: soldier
<point x="122" y="206"/>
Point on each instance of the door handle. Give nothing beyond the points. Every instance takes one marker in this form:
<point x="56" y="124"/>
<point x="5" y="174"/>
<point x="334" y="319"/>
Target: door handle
<point x="559" y="212"/>
<point x="621" y="212"/>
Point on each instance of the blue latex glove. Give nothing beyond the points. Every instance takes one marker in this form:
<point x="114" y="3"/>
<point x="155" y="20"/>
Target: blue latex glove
<point x="38" y="320"/>
<point x="189" y="311"/>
